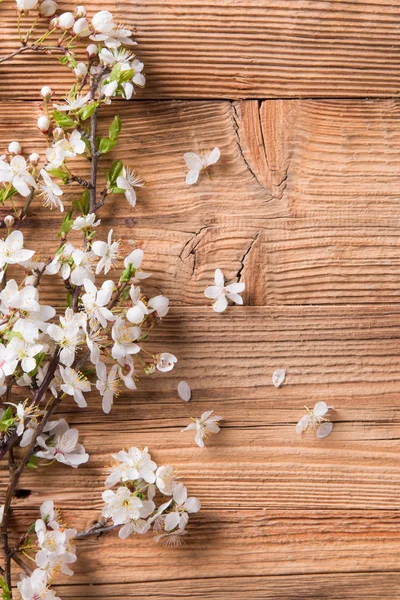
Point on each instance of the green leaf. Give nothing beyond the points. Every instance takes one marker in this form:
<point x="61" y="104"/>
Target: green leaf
<point x="126" y="75"/>
<point x="60" y="174"/>
<point x="33" y="462"/>
<point x="115" y="73"/>
<point x="83" y="204"/>
<point x="66" y="224"/>
<point x="114" y="172"/>
<point x="6" y="194"/>
<point x="128" y="273"/>
<point x="115" y="128"/>
<point x="6" y="595"/>
<point x="106" y="145"/>
<point x="117" y="190"/>
<point x="86" y="111"/>
<point x="62" y="119"/>
<point x="9" y="335"/>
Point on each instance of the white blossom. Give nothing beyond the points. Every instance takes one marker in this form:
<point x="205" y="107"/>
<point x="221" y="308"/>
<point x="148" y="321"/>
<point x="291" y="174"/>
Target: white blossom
<point x="74" y="384"/>
<point x="67" y="335"/>
<point x="166" y="479"/>
<point x="316" y="419"/>
<point x="183" y="507"/>
<point x="221" y="292"/>
<point x="95" y="302"/>
<point x="85" y="222"/>
<point x="124" y="336"/>
<point x="138" y="310"/>
<point x="64" y="447"/>
<point x="84" y="263"/>
<point x="50" y="191"/>
<point x="108" y="253"/>
<point x="203" y="426"/>
<point x="132" y="465"/>
<point x="166" y="362"/>
<point x="196" y="164"/>
<point x="24" y="352"/>
<point x="128" y="181"/>
<point x="35" y="587"/>
<point x="160" y="304"/>
<point x="75" y="103"/>
<point x="16" y="172"/>
<point x="107" y="384"/>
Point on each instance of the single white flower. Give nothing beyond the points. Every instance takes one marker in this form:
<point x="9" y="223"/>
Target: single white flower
<point x="182" y="508"/>
<point x="138" y="310"/>
<point x="316" y="419"/>
<point x="137" y="78"/>
<point x="102" y="22"/>
<point x="135" y="259"/>
<point x="20" y="350"/>
<point x="35" y="586"/>
<point x="24" y="411"/>
<point x="118" y="36"/>
<point x="121" y="506"/>
<point x="107" y="384"/>
<point x="67" y="335"/>
<point x="124" y="336"/>
<point x="50" y="192"/>
<point x="126" y="371"/>
<point x="30" y="323"/>
<point x="220" y="292"/>
<point x="74" y="384"/>
<point x="26" y="298"/>
<point x="166" y="479"/>
<point x="196" y="164"/>
<point x="64" y="447"/>
<point x="12" y="251"/>
<point x="160" y="304"/>
<point x="132" y="465"/>
<point x="17" y="173"/>
<point x="85" y="222"/>
<point x="203" y="426"/>
<point x="61" y="262"/>
<point x="73" y="103"/>
<point x="128" y="181"/>
<point x="108" y="253"/>
<point x="95" y="302"/>
<point x="84" y="263"/>
<point x="166" y="362"/>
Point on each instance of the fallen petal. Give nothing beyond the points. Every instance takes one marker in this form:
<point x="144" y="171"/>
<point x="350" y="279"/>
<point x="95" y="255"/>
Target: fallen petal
<point x="278" y="377"/>
<point x="184" y="391"/>
<point x="324" y="430"/>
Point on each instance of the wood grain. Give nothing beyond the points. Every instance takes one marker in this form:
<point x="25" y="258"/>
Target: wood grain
<point x="301" y="206"/>
<point x="230" y="49"/>
<point x="274" y="503"/>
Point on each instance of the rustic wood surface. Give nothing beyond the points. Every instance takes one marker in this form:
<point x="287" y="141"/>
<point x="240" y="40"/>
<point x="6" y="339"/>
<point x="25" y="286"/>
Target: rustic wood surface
<point x="302" y="207"/>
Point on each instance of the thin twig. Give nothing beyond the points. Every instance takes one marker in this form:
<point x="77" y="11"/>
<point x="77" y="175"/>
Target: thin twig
<point x="34" y="48"/>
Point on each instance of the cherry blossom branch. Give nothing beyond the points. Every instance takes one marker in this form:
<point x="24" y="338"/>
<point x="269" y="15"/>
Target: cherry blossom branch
<point x="97" y="529"/>
<point x="34" y="48"/>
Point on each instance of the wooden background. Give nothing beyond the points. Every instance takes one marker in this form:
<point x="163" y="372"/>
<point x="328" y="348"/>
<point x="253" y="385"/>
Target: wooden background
<point x="301" y="98"/>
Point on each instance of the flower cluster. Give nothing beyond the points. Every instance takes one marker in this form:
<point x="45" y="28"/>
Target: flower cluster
<point x="133" y="505"/>
<point x="54" y="549"/>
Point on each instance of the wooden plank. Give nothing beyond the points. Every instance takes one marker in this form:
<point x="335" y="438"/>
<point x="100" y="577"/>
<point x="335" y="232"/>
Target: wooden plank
<point x="300" y="207"/>
<point x="226" y="49"/>
<point x="346" y="586"/>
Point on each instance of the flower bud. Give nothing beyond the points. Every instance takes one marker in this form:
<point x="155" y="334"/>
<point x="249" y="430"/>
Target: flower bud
<point x="66" y="20"/>
<point x="80" y="70"/>
<point x="80" y="11"/>
<point x="43" y="123"/>
<point x="9" y="221"/>
<point x="34" y="159"/>
<point x="92" y="50"/>
<point x="48" y="8"/>
<point x="58" y="133"/>
<point x="23" y="5"/>
<point x="81" y="28"/>
<point x="14" y="148"/>
<point x="46" y="92"/>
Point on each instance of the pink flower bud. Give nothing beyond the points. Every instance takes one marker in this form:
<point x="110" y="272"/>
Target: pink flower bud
<point x="58" y="133"/>
<point x="66" y="20"/>
<point x="80" y="12"/>
<point x="34" y="159"/>
<point x="46" y="92"/>
<point x="15" y="148"/>
<point x="48" y="8"/>
<point x="9" y="221"/>
<point x="92" y="50"/>
<point x="43" y="123"/>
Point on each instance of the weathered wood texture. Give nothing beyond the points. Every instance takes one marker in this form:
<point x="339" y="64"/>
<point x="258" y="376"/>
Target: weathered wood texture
<point x="230" y="49"/>
<point x="301" y="206"/>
